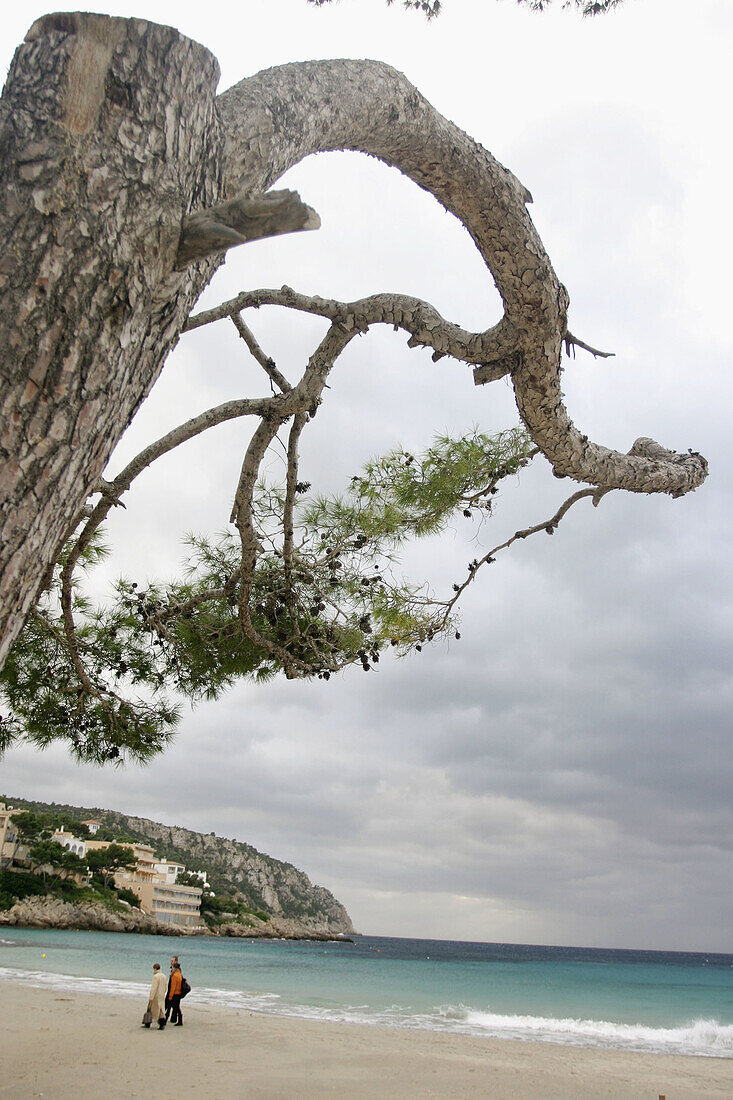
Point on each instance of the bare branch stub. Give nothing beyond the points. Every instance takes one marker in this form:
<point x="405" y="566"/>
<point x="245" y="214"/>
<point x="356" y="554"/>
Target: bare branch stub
<point x="572" y="342"/>
<point x="249" y="218"/>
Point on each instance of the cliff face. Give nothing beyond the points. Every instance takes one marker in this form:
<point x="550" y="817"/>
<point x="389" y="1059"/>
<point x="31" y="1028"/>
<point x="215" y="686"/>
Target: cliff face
<point x="265" y="883"/>
<point x="279" y="899"/>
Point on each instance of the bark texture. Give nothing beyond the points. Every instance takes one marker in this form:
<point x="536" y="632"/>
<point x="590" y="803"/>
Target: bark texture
<point x="108" y="138"/>
<point x="122" y="180"/>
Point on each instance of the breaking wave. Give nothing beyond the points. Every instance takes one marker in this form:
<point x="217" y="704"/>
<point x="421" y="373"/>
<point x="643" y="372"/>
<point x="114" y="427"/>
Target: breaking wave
<point x="706" y="1038"/>
<point x="700" y="1037"/>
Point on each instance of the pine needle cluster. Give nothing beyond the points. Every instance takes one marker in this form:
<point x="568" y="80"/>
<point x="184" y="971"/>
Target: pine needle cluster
<point x="111" y="689"/>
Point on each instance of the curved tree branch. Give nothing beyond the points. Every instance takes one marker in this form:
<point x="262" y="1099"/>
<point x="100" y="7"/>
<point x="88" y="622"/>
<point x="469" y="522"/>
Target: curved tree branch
<point x="273" y="120"/>
<point x="425" y="324"/>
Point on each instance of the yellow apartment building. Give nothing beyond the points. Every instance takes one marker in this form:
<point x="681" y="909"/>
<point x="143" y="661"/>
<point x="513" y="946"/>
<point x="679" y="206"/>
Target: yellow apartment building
<point x="168" y="902"/>
<point x="150" y="881"/>
<point x="8" y="834"/>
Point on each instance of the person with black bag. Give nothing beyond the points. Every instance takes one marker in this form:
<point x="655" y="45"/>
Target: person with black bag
<point x="174" y="960"/>
<point x="175" y="992"/>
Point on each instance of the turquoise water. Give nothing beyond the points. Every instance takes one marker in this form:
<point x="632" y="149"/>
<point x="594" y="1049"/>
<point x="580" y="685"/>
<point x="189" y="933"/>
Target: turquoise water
<point x="651" y="1001"/>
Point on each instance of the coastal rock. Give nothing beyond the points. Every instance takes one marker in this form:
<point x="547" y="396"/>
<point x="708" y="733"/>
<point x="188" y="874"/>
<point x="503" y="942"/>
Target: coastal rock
<point x="269" y="898"/>
<point x="268" y="884"/>
<point x="278" y="930"/>
<point x="50" y="912"/>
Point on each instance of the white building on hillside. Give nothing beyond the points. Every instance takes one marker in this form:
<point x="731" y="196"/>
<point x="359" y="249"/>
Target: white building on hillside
<point x="72" y="843"/>
<point x="169" y="869"/>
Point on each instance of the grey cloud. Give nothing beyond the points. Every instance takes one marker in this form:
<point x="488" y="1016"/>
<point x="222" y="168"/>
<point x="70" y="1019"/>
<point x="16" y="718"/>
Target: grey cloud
<point x="562" y="773"/>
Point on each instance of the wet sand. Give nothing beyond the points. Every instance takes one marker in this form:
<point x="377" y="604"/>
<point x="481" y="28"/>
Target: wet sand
<point x="69" y="1046"/>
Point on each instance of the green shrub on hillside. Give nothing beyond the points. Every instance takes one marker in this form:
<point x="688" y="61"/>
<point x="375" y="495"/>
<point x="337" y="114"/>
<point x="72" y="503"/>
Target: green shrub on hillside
<point x="16" y="885"/>
<point x="123" y="894"/>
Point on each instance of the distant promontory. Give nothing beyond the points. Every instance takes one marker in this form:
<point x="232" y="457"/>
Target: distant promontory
<point x="247" y="892"/>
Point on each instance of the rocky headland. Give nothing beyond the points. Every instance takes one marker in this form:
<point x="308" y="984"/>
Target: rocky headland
<point x="293" y="904"/>
<point x="250" y="894"/>
<point x="46" y="911"/>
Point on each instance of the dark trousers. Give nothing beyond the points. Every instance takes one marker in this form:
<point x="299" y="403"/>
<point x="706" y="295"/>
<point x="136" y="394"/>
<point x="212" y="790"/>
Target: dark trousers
<point x="176" y="1014"/>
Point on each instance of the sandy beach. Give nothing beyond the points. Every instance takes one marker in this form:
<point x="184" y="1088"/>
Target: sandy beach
<point x="67" y="1045"/>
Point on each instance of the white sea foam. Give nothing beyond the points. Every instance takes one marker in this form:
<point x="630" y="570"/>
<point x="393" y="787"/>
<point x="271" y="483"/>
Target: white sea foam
<point x="73" y="983"/>
<point x="705" y="1038"/>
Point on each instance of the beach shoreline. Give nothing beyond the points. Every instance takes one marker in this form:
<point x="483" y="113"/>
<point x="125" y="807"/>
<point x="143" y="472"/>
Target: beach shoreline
<point x="70" y="1046"/>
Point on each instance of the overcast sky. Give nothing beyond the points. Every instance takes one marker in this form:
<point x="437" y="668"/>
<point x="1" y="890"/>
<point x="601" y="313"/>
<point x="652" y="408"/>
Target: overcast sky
<point x="562" y="774"/>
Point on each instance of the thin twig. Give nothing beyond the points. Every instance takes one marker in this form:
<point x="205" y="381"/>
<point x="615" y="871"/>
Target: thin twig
<point x="572" y="342"/>
<point x="549" y="526"/>
<point x="290" y="493"/>
<point x="267" y="364"/>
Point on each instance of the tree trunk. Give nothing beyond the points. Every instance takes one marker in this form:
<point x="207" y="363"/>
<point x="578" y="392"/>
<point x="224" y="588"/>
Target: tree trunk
<point x="111" y="144"/>
<point x="108" y="138"/>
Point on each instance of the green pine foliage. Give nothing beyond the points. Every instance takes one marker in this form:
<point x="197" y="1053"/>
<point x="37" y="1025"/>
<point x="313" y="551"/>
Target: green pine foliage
<point x="585" y="7"/>
<point x="332" y="599"/>
<point x="17" y="885"/>
<point x="429" y="8"/>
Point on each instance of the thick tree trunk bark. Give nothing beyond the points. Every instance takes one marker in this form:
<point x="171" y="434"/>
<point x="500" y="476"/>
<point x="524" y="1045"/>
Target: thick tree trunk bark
<point x="108" y="138"/>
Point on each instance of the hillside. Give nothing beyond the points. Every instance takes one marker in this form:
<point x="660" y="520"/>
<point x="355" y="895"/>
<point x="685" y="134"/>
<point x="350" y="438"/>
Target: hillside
<point x="247" y="883"/>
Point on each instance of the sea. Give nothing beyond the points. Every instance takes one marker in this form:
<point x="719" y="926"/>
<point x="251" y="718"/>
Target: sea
<point x="650" y="1001"/>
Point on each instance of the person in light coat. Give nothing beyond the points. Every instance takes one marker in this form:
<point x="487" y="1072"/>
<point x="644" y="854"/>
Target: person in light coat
<point x="157" y="996"/>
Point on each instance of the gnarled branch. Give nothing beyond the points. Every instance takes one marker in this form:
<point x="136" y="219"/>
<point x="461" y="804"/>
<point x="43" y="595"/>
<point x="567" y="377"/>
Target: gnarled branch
<point x="128" y="279"/>
<point x="426" y="326"/>
<point x="370" y="107"/>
